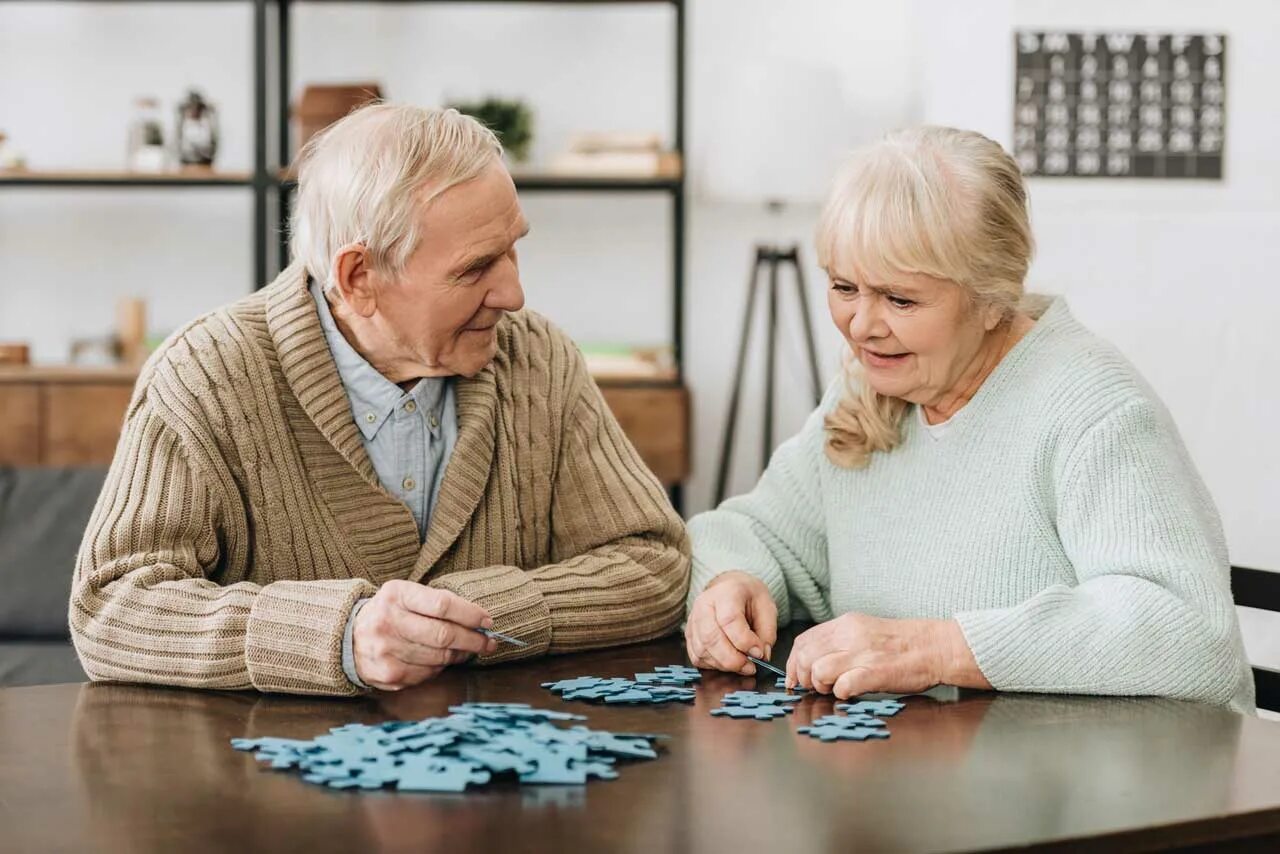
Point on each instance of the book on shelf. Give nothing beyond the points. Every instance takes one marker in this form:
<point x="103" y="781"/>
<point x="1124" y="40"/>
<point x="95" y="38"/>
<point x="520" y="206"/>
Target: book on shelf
<point x="616" y="153"/>
<point x="624" y="362"/>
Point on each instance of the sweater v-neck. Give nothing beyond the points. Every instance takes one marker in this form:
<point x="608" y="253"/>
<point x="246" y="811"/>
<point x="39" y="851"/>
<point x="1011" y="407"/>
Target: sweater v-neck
<point x="388" y="542"/>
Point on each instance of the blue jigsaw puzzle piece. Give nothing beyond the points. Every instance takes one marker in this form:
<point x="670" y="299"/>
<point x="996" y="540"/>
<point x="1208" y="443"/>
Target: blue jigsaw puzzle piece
<point x="679" y="672"/>
<point x="848" y="721"/>
<point x="755" y="698"/>
<point x="497" y="761"/>
<point x="439" y="774"/>
<point x="781" y="684"/>
<point x="760" y="713"/>
<point x="597" y="769"/>
<point x="876" y="708"/>
<point x="578" y="684"/>
<point x="555" y="764"/>
<point x="840" y="733"/>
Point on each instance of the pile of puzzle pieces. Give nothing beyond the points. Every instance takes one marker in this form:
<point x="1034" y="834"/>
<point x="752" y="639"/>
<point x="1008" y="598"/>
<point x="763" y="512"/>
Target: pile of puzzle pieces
<point x="475" y="742"/>
<point x="666" y="684"/>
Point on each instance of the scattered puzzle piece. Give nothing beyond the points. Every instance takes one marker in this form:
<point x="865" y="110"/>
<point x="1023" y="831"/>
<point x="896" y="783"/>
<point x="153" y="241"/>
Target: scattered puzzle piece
<point x="848" y="721"/>
<point x="760" y="713"/>
<point x="877" y="708"/>
<point x="842" y="733"/>
<point x="781" y="684"/>
<point x="755" y="698"/>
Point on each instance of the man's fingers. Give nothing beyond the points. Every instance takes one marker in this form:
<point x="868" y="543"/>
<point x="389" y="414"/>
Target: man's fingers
<point x="442" y="605"/>
<point x="440" y="634"/>
<point x="391" y="675"/>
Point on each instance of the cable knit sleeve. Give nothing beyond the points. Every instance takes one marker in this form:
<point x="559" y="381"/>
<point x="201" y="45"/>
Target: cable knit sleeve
<point x="619" y="553"/>
<point x="1151" y="612"/>
<point x="144" y="607"/>
<point x="777" y="531"/>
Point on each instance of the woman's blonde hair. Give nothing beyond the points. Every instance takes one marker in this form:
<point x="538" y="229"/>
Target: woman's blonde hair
<point x="365" y="178"/>
<point x="943" y="202"/>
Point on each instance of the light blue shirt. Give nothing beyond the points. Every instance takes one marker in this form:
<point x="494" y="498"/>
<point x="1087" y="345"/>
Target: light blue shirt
<point x="409" y="437"/>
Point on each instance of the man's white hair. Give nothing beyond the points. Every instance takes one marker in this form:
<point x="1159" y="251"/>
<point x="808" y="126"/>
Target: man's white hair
<point x="365" y="178"/>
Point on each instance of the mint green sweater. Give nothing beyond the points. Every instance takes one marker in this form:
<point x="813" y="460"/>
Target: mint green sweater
<point x="1057" y="517"/>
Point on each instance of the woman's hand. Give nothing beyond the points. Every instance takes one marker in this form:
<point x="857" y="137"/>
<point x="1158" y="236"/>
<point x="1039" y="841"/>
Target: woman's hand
<point x="856" y="654"/>
<point x="732" y="618"/>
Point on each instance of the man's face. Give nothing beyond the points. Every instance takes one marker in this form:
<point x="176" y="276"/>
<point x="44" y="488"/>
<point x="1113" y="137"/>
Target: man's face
<point x="461" y="280"/>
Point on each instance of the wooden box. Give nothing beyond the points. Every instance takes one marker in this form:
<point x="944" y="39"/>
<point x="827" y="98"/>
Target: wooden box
<point x="322" y="105"/>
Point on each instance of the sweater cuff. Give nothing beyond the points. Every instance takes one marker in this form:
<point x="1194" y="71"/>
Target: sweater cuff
<point x="349" y="648"/>
<point x="293" y="641"/>
<point x="996" y="642"/>
<point x="514" y="602"/>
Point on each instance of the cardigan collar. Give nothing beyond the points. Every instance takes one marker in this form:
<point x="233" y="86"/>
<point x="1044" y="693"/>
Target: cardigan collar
<point x="312" y="376"/>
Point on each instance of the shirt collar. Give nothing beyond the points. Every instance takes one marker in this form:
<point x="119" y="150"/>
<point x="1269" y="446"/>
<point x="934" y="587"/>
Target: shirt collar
<point x="372" y="396"/>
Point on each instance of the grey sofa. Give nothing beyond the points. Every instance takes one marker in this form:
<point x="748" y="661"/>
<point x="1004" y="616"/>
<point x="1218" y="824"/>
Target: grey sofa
<point x="43" y="514"/>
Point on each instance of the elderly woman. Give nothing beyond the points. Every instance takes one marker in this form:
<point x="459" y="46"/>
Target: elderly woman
<point x="993" y="498"/>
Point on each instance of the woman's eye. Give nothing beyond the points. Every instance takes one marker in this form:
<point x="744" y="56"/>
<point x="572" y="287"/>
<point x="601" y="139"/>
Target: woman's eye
<point x="842" y="288"/>
<point x="900" y="302"/>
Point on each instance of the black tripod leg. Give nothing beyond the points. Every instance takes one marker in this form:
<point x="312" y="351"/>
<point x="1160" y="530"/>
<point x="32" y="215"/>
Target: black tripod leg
<point x="731" y="418"/>
<point x="771" y="357"/>
<point x="807" y="324"/>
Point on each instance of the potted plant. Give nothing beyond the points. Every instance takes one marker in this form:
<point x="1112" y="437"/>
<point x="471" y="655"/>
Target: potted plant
<point x="510" y="119"/>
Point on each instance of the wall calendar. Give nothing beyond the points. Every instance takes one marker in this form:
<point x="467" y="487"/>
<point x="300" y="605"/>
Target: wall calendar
<point x="1119" y="105"/>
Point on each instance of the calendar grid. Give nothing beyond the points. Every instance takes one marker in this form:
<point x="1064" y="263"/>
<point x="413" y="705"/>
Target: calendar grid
<point x="1120" y="105"/>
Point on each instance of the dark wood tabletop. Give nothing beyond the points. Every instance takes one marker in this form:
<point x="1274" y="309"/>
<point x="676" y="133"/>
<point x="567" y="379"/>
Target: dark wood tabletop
<point x="119" y="768"/>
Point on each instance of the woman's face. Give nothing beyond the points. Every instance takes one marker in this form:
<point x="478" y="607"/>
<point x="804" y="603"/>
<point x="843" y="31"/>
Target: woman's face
<point x="915" y="336"/>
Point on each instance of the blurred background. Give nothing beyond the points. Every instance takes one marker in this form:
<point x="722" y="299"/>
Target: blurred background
<point x="659" y="147"/>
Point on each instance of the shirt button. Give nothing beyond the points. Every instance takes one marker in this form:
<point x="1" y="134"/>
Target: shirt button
<point x="434" y="422"/>
<point x="370" y="417"/>
<point x="409" y="484"/>
<point x="411" y="407"/>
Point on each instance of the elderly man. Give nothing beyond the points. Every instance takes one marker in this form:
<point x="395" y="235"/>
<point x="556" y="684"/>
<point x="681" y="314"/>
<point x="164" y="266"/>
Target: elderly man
<point x="337" y="482"/>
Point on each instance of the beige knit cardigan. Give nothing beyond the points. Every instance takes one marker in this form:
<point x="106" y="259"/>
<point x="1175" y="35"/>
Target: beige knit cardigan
<point x="241" y="518"/>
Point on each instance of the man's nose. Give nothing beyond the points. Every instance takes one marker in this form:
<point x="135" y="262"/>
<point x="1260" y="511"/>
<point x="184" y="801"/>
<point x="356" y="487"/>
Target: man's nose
<point x="508" y="293"/>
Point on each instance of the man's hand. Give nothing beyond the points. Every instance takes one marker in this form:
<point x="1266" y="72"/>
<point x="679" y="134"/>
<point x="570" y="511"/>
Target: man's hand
<point x="857" y="654"/>
<point x="733" y="617"/>
<point x="408" y="633"/>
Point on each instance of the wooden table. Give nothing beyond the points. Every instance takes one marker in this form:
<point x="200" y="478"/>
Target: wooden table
<point x="112" y="768"/>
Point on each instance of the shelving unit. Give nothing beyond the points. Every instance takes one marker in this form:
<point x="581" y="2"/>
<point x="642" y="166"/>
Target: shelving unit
<point x="269" y="181"/>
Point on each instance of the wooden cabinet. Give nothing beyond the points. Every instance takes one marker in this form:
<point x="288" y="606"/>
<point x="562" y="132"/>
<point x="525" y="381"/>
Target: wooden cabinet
<point x="68" y="416"/>
<point x="61" y="416"/>
<point x="656" y="420"/>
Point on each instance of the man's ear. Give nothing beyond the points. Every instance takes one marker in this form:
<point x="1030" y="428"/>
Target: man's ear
<point x="353" y="279"/>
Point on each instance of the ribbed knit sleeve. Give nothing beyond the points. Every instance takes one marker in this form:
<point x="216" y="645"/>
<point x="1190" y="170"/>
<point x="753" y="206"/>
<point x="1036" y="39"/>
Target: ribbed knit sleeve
<point x="144" y="607"/>
<point x="619" y="552"/>
<point x="1152" y="610"/>
<point x="777" y="531"/>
